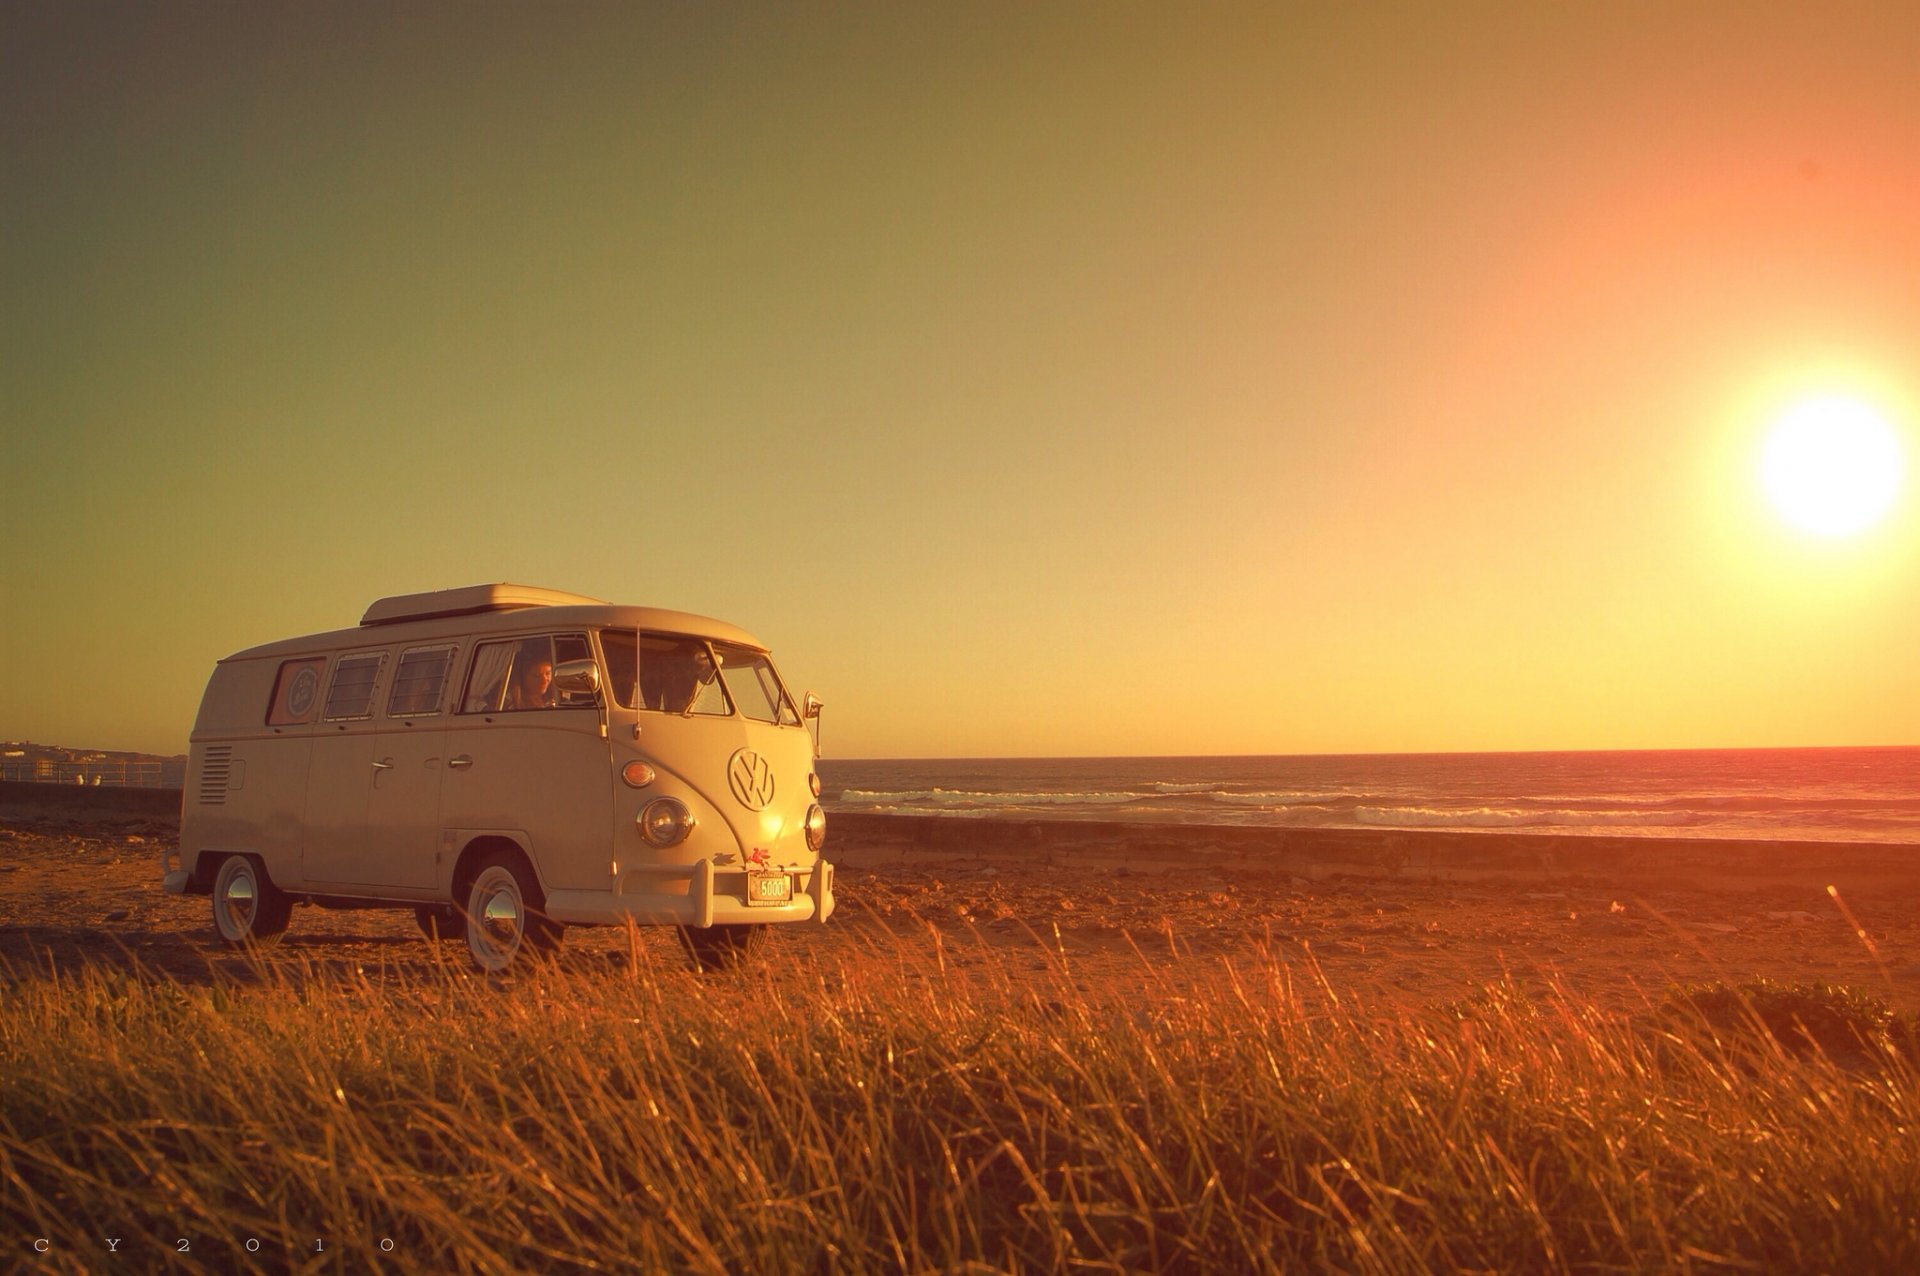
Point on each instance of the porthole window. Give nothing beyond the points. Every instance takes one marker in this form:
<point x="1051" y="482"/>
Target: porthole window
<point x="296" y="693"/>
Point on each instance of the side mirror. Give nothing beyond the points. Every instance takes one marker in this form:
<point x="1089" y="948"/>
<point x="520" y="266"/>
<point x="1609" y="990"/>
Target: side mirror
<point x="572" y="678"/>
<point x="810" y="710"/>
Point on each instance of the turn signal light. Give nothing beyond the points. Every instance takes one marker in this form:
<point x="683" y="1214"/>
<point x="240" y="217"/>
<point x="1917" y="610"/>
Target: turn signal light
<point x="637" y="774"/>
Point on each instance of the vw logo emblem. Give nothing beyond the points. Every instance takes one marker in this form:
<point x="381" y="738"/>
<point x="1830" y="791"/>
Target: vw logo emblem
<point x="751" y="779"/>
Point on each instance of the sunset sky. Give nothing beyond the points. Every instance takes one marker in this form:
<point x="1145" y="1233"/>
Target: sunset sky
<point x="1033" y="378"/>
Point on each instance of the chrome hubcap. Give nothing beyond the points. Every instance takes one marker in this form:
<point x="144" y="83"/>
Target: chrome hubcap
<point x="239" y="898"/>
<point x="500" y="917"/>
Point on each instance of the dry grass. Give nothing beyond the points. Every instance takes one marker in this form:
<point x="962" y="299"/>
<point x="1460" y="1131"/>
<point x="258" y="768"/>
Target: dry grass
<point x="887" y="1112"/>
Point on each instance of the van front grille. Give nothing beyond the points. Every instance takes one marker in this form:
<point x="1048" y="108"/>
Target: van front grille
<point x="214" y="770"/>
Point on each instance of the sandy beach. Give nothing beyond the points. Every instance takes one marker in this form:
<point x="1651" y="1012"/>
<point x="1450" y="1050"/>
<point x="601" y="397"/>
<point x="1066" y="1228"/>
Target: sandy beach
<point x="1044" y="1047"/>
<point x="1393" y="919"/>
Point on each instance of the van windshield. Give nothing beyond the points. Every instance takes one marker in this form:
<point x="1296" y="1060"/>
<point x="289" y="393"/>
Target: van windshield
<point x="674" y="673"/>
<point x="676" y="676"/>
<point x="755" y="688"/>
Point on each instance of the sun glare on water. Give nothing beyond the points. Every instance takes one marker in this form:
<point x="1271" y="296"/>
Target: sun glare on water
<point x="1831" y="466"/>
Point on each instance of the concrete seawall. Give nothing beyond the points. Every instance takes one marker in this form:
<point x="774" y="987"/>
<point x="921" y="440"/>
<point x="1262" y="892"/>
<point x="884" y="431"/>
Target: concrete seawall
<point x="86" y="802"/>
<point x="866" y="840"/>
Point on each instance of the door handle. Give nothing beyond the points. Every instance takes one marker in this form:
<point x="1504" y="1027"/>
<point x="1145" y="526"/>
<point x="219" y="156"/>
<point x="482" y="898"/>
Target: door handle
<point x="383" y="766"/>
<point x="460" y="763"/>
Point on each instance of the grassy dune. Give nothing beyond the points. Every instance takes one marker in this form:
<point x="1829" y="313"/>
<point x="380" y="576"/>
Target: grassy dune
<point x="887" y="1111"/>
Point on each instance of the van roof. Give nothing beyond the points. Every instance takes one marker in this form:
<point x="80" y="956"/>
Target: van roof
<point x="499" y="608"/>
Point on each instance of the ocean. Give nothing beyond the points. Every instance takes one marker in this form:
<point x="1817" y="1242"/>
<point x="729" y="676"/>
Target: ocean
<point x="1846" y="795"/>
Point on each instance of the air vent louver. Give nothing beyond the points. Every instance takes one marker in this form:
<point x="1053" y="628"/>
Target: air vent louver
<point x="214" y="770"/>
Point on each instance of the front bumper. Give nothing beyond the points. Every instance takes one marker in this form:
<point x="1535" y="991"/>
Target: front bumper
<point x="693" y="895"/>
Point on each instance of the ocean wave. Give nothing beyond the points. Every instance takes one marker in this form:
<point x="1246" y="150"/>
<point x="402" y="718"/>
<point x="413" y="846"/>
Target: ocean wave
<point x="956" y="813"/>
<point x="1292" y="797"/>
<point x="975" y="798"/>
<point x="1492" y="817"/>
<point x="1763" y="803"/>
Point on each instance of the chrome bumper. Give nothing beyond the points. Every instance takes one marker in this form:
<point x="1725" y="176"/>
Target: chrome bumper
<point x="713" y="897"/>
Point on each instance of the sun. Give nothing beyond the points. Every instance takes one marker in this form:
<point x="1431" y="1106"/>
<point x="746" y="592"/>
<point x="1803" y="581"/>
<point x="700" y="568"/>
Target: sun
<point x="1831" y="466"/>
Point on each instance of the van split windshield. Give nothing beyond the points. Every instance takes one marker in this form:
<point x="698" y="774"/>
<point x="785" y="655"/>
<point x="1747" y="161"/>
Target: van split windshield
<point x="673" y="673"/>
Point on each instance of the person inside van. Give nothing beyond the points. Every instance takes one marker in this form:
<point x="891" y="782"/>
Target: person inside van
<point x="532" y="679"/>
<point x="681" y="679"/>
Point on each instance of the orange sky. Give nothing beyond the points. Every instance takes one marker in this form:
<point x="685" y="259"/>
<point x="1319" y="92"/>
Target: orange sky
<point x="1035" y="379"/>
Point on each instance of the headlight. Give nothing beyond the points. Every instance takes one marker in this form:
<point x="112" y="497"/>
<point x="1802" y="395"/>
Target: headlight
<point x="666" y="822"/>
<point x="816" y="828"/>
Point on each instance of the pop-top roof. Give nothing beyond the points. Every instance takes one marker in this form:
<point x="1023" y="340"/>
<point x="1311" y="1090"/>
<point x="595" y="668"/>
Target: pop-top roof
<point x="468" y="600"/>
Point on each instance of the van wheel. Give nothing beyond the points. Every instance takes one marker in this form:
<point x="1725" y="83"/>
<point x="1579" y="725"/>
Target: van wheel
<point x="248" y="910"/>
<point x="721" y="947"/>
<point x="505" y="915"/>
<point x="437" y="921"/>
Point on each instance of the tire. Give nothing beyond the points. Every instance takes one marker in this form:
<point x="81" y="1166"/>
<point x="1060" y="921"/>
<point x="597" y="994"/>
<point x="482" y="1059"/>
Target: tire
<point x="721" y="947"/>
<point x="504" y="918"/>
<point x="248" y="909"/>
<point x="438" y="921"/>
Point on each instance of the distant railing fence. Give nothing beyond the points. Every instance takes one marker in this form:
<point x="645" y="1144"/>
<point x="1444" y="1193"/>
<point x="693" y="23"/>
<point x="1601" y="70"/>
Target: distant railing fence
<point x="105" y="774"/>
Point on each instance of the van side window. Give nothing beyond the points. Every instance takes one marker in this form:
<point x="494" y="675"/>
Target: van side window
<point x="296" y="693"/>
<point x="487" y="677"/>
<point x="491" y="674"/>
<point x="351" y="695"/>
<point x="517" y="674"/>
<point x="677" y="676"/>
<point x="419" y="682"/>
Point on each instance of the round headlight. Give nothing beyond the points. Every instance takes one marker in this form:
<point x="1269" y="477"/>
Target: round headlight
<point x="666" y="822"/>
<point x="816" y="828"/>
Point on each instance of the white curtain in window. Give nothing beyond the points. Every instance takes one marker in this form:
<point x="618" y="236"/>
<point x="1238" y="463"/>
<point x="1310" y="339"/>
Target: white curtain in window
<point x="489" y="681"/>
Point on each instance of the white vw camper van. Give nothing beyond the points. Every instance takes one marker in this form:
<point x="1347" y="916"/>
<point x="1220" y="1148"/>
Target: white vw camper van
<point x="507" y="761"/>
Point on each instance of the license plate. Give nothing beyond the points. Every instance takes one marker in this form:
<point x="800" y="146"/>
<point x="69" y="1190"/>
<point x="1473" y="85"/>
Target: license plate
<point x="769" y="888"/>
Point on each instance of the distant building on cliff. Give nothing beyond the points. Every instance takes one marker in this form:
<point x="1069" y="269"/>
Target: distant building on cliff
<point x="23" y="760"/>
